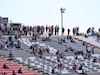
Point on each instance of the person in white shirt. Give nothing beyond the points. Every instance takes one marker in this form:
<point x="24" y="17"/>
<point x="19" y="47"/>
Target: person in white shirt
<point x="66" y="40"/>
<point x="21" y="29"/>
<point x="89" y="49"/>
<point x="3" y="29"/>
<point x="15" y="43"/>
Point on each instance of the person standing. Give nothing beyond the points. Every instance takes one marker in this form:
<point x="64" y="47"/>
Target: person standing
<point x="30" y="30"/>
<point x="52" y="29"/>
<point x="14" y="73"/>
<point x="27" y="29"/>
<point x="8" y="30"/>
<point x="75" y="67"/>
<point x="73" y="31"/>
<point x="3" y="29"/>
<point x="24" y="29"/>
<point x="46" y="28"/>
<point x="12" y="30"/>
<point x="99" y="30"/>
<point x="77" y="31"/>
<point x="92" y="31"/>
<point x="42" y="30"/>
<point x="49" y="32"/>
<point x="68" y="31"/>
<point x="55" y="29"/>
<point x="21" y="29"/>
<point x="63" y="30"/>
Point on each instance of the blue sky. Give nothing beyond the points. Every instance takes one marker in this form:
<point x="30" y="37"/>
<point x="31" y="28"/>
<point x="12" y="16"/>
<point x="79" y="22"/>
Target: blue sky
<point x="82" y="13"/>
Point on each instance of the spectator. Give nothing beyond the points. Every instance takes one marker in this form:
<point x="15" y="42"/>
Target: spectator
<point x="0" y="35"/>
<point x="31" y="47"/>
<point x="59" y="42"/>
<point x="57" y="53"/>
<point x="65" y="40"/>
<point x="5" y="66"/>
<point x="58" y="59"/>
<point x="92" y="31"/>
<point x="14" y="72"/>
<point x="67" y="50"/>
<point x="70" y="37"/>
<point x="12" y="43"/>
<point x="76" y="57"/>
<point x="75" y="67"/>
<point x="68" y="31"/>
<point x="99" y="30"/>
<point x="77" y="31"/>
<point x="46" y="28"/>
<point x="19" y="44"/>
<point x="10" y="38"/>
<point x="83" y="72"/>
<point x="73" y="31"/>
<point x="95" y="59"/>
<point x="85" y="56"/>
<point x="80" y="68"/>
<point x="72" y="41"/>
<point x="4" y="73"/>
<point x="49" y="32"/>
<point x="98" y="37"/>
<point x="85" y="36"/>
<point x="83" y="43"/>
<point x="93" y="50"/>
<point x="5" y="47"/>
<point x="53" y="70"/>
<point x="20" y="71"/>
<point x="63" y="30"/>
<point x="10" y="56"/>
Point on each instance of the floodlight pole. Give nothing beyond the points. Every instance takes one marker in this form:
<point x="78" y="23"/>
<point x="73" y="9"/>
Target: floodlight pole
<point x="62" y="11"/>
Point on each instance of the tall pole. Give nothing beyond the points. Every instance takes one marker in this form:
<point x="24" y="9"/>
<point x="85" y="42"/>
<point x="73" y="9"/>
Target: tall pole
<point x="62" y="11"/>
<point x="61" y="23"/>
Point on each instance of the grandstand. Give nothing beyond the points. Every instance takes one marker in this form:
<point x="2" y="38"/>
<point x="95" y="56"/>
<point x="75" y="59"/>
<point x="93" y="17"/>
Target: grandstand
<point x="43" y="64"/>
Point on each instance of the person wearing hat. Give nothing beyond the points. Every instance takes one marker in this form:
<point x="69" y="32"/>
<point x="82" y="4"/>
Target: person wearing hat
<point x="75" y="67"/>
<point x="20" y="71"/>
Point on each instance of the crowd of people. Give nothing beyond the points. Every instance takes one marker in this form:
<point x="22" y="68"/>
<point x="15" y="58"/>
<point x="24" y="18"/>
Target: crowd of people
<point x="39" y="50"/>
<point x="39" y="30"/>
<point x="10" y="43"/>
<point x="5" y="66"/>
<point x="24" y="30"/>
<point x="76" y="31"/>
<point x="85" y="55"/>
<point x="13" y="73"/>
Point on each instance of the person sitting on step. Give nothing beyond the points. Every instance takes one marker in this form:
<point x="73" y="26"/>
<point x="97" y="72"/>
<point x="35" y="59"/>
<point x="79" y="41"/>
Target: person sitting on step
<point x="20" y="71"/>
<point x="53" y="70"/>
<point x="85" y="36"/>
<point x="57" y="53"/>
<point x="95" y="59"/>
<point x="10" y="56"/>
<point x="72" y="41"/>
<point x="5" y="66"/>
<point x="85" y="56"/>
<point x="80" y="68"/>
<point x="59" y="42"/>
<point x="76" y="57"/>
<point x="31" y="47"/>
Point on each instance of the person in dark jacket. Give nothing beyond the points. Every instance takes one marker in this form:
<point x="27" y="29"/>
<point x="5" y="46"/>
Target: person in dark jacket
<point x="5" y="66"/>
<point x="20" y="71"/>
